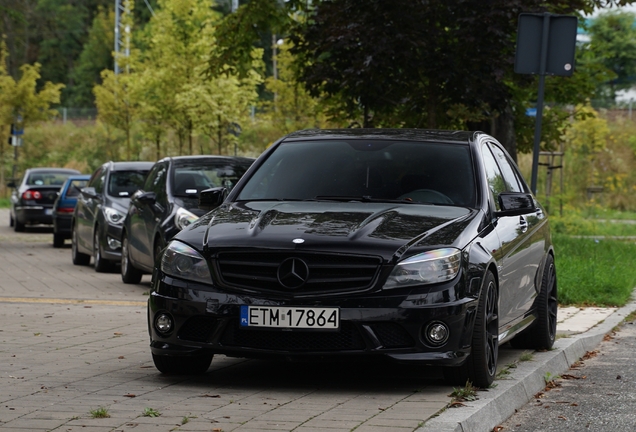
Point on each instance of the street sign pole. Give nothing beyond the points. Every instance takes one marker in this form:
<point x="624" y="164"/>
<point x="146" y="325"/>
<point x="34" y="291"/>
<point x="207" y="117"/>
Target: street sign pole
<point x="545" y="46"/>
<point x="539" y="117"/>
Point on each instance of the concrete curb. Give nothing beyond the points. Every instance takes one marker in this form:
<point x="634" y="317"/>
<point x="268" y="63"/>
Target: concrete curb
<point x="499" y="403"/>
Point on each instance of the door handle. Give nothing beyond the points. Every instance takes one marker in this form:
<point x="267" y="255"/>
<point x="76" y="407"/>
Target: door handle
<point x="523" y="223"/>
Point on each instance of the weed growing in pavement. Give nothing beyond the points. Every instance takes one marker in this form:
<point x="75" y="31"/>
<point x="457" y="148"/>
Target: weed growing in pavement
<point x="526" y="356"/>
<point x="100" y="412"/>
<point x="186" y="419"/>
<point x="549" y="378"/>
<point x="151" y="412"/>
<point x="466" y="393"/>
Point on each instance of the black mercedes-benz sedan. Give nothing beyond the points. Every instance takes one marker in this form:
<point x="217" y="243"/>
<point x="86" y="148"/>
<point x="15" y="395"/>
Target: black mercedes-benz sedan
<point x="413" y="245"/>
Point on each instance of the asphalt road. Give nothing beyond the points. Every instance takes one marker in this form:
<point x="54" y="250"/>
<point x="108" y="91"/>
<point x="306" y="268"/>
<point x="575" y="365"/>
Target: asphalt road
<point x="597" y="394"/>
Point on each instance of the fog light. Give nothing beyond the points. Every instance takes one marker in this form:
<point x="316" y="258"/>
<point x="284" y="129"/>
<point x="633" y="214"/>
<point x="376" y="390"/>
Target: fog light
<point x="437" y="333"/>
<point x="163" y="323"/>
<point x="113" y="243"/>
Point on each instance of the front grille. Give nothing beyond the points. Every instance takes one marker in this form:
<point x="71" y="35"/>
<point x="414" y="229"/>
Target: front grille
<point x="198" y="329"/>
<point x="326" y="272"/>
<point x="348" y="338"/>
<point x="392" y="335"/>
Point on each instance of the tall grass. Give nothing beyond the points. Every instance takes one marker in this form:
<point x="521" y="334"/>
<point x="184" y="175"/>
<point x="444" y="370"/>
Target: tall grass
<point x="594" y="272"/>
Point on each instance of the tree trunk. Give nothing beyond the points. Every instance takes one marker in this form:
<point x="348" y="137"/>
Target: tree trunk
<point x="504" y="131"/>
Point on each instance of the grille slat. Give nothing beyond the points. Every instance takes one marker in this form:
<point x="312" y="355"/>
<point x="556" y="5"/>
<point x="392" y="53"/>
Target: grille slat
<point x="327" y="273"/>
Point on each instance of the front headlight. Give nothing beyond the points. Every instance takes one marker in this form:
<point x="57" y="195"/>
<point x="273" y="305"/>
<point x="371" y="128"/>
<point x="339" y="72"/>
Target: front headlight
<point x="182" y="261"/>
<point x="183" y="218"/>
<point x="430" y="267"/>
<point x="114" y="216"/>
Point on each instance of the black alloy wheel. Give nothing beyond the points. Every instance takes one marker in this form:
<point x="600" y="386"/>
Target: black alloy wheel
<point x="78" y="257"/>
<point x="129" y="274"/>
<point x="480" y="367"/>
<point x="542" y="333"/>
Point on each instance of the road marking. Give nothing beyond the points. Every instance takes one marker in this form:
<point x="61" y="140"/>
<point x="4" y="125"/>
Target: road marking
<point x="71" y="301"/>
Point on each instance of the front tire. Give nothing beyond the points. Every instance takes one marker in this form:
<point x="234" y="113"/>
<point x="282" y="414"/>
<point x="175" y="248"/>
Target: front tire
<point x="129" y="274"/>
<point x="101" y="265"/>
<point x="18" y="226"/>
<point x="183" y="365"/>
<point x="480" y="367"/>
<point x="78" y="257"/>
<point x="58" y="240"/>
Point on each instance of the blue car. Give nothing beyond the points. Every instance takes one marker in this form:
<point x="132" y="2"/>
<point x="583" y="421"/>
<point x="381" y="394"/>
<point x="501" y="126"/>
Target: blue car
<point x="64" y="206"/>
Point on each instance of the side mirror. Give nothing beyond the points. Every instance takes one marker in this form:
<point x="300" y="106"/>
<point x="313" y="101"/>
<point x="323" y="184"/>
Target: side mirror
<point x="209" y="199"/>
<point x="515" y="204"/>
<point x="11" y="184"/>
<point x="89" y="192"/>
<point x="147" y="198"/>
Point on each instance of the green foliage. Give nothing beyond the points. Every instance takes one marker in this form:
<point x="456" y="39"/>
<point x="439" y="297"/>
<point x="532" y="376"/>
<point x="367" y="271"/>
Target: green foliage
<point x="466" y="393"/>
<point x="100" y="412"/>
<point x="594" y="272"/>
<point x="96" y="56"/>
<point x="614" y="45"/>
<point x="151" y="412"/>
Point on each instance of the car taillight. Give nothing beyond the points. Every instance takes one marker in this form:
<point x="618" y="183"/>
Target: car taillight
<point x="65" y="210"/>
<point x="31" y="195"/>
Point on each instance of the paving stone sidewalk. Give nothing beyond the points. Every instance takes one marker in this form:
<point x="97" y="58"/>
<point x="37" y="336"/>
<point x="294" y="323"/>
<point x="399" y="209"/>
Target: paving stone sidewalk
<point x="73" y="341"/>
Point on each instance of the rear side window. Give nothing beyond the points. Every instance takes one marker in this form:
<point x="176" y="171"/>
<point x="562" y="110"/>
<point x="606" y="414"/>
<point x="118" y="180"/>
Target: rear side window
<point x="74" y="188"/>
<point x="125" y="183"/>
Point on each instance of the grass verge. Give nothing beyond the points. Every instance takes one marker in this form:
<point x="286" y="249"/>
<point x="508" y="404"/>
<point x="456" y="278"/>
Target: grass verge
<point x="594" y="272"/>
<point x="5" y="203"/>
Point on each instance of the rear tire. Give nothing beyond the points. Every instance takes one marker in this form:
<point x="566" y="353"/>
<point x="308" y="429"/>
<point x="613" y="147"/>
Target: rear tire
<point x="11" y="222"/>
<point x="183" y="365"/>
<point x="101" y="265"/>
<point x="480" y="367"/>
<point x="542" y="333"/>
<point x="18" y="226"/>
<point x="78" y="257"/>
<point x="58" y="240"/>
<point x="129" y="274"/>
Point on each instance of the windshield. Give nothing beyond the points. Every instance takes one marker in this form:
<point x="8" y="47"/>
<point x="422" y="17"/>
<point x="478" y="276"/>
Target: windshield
<point x="416" y="172"/>
<point x="189" y="180"/>
<point x="125" y="183"/>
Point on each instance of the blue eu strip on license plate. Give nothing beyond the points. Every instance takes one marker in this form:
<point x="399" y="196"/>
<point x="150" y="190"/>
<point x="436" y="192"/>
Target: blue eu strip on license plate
<point x="324" y="318"/>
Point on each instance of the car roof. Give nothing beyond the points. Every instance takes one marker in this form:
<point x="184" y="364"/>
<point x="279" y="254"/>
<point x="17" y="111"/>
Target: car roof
<point x="178" y="160"/>
<point x="135" y="165"/>
<point x="459" y="137"/>
<point x="53" y="169"/>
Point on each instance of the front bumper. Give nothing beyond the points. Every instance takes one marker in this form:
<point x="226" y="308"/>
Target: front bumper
<point x="380" y="325"/>
<point x="111" y="242"/>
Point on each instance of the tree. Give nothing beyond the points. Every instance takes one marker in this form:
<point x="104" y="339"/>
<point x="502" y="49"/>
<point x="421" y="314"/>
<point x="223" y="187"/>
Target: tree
<point x="21" y="99"/>
<point x="418" y="64"/>
<point x="613" y="44"/>
<point x="95" y="57"/>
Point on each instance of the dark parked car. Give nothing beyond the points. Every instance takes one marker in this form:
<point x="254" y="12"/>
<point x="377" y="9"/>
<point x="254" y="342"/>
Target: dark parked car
<point x="168" y="203"/>
<point x="413" y="245"/>
<point x="64" y="206"/>
<point x="33" y="197"/>
<point x="100" y="211"/>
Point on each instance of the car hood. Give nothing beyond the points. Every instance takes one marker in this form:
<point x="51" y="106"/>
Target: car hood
<point x="385" y="229"/>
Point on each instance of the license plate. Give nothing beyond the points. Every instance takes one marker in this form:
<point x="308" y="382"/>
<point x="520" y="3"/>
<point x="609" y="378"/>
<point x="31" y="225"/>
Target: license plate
<point x="48" y="212"/>
<point x="290" y="317"/>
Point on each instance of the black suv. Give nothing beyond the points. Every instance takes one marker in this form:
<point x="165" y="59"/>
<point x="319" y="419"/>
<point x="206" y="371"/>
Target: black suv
<point x="168" y="202"/>
<point x="411" y="245"/>
<point x="100" y="211"/>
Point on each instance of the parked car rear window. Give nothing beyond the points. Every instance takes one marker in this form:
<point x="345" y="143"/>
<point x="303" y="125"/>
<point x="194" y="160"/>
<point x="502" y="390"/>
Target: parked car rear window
<point x="47" y="179"/>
